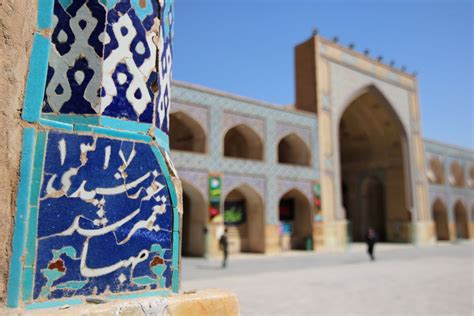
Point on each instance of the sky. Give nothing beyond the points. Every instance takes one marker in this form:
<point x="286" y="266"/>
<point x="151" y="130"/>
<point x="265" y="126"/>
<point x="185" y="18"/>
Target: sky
<point x="246" y="47"/>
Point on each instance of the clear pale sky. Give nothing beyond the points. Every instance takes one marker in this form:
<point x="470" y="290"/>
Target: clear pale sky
<point x="246" y="47"/>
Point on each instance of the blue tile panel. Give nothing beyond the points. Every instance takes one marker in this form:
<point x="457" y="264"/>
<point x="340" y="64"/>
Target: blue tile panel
<point x="104" y="219"/>
<point x="111" y="59"/>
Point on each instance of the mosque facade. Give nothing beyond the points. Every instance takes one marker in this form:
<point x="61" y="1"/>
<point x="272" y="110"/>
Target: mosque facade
<point x="348" y="155"/>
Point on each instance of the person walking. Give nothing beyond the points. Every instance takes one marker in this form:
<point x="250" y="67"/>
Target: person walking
<point x="224" y="246"/>
<point x="371" y="240"/>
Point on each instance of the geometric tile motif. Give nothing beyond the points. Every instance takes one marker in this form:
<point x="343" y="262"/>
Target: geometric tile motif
<point x="165" y="52"/>
<point x="74" y="72"/>
<point x="129" y="63"/>
<point x="111" y="59"/>
<point x="105" y="218"/>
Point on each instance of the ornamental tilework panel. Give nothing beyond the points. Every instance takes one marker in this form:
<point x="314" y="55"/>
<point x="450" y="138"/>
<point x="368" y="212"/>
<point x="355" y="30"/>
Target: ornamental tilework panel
<point x="75" y="63"/>
<point x="105" y="218"/>
<point x="111" y="59"/>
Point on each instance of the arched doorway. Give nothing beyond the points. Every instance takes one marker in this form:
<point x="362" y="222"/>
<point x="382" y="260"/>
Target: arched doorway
<point x="293" y="150"/>
<point x="244" y="143"/>
<point x="436" y="171"/>
<point x="374" y="168"/>
<point x="244" y="219"/>
<point x="295" y="216"/>
<point x="194" y="222"/>
<point x="186" y="134"/>
<point x="457" y="174"/>
<point x="440" y="217"/>
<point x="460" y="219"/>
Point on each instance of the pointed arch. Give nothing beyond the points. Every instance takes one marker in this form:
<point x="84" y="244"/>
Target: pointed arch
<point x="436" y="171"/>
<point x="243" y="142"/>
<point x="186" y="134"/>
<point x="373" y="144"/>
<point x="456" y="174"/>
<point x="292" y="149"/>
<point x="244" y="214"/>
<point x="461" y="220"/>
<point x="195" y="221"/>
<point x="296" y="217"/>
<point x="440" y="218"/>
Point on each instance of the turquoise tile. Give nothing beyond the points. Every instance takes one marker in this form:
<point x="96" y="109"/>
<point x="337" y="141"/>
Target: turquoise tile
<point x="176" y="218"/>
<point x="56" y="124"/>
<point x="82" y="128"/>
<point x="31" y="241"/>
<point x="124" y="125"/>
<point x="27" y="284"/>
<point x="36" y="81"/>
<point x="175" y="281"/>
<point x="45" y="14"/>
<point x="73" y="118"/>
<point x="162" y="139"/>
<point x="176" y="243"/>
<point x="121" y="134"/>
<point x="37" y="168"/>
<point x="21" y="217"/>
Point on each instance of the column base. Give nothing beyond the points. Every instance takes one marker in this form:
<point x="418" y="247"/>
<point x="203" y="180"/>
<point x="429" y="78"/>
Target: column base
<point x="330" y="236"/>
<point x="424" y="233"/>
<point x="207" y="303"/>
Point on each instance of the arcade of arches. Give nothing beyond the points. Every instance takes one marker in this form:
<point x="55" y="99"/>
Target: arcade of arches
<point x="372" y="156"/>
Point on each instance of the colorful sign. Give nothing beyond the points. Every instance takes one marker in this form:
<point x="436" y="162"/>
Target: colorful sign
<point x="215" y="191"/>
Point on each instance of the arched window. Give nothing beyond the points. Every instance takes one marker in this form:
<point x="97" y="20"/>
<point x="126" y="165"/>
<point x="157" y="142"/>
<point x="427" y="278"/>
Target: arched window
<point x="436" y="171"/>
<point x="242" y="142"/>
<point x="457" y="175"/>
<point x="186" y="134"/>
<point x="293" y="150"/>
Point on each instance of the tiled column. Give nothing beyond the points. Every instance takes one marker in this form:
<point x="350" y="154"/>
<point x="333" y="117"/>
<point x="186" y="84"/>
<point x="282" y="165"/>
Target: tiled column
<point x="97" y="212"/>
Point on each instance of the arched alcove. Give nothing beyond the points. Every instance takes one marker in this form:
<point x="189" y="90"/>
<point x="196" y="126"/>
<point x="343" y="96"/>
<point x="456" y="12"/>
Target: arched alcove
<point x="243" y="142"/>
<point x="440" y="217"/>
<point x="186" y="134"/>
<point x="460" y="219"/>
<point x="295" y="216"/>
<point x="457" y="174"/>
<point x="293" y="150"/>
<point x="436" y="171"/>
<point x="245" y="220"/>
<point x="374" y="168"/>
<point x="195" y="220"/>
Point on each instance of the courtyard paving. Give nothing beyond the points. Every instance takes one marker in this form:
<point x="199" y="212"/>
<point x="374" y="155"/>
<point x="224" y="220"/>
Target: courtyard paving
<point x="404" y="280"/>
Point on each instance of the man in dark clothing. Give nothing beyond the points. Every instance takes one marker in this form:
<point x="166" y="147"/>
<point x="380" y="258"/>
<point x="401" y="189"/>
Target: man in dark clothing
<point x="371" y="240"/>
<point x="223" y="244"/>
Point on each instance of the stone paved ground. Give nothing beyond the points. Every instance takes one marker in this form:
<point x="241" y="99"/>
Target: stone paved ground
<point x="405" y="280"/>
